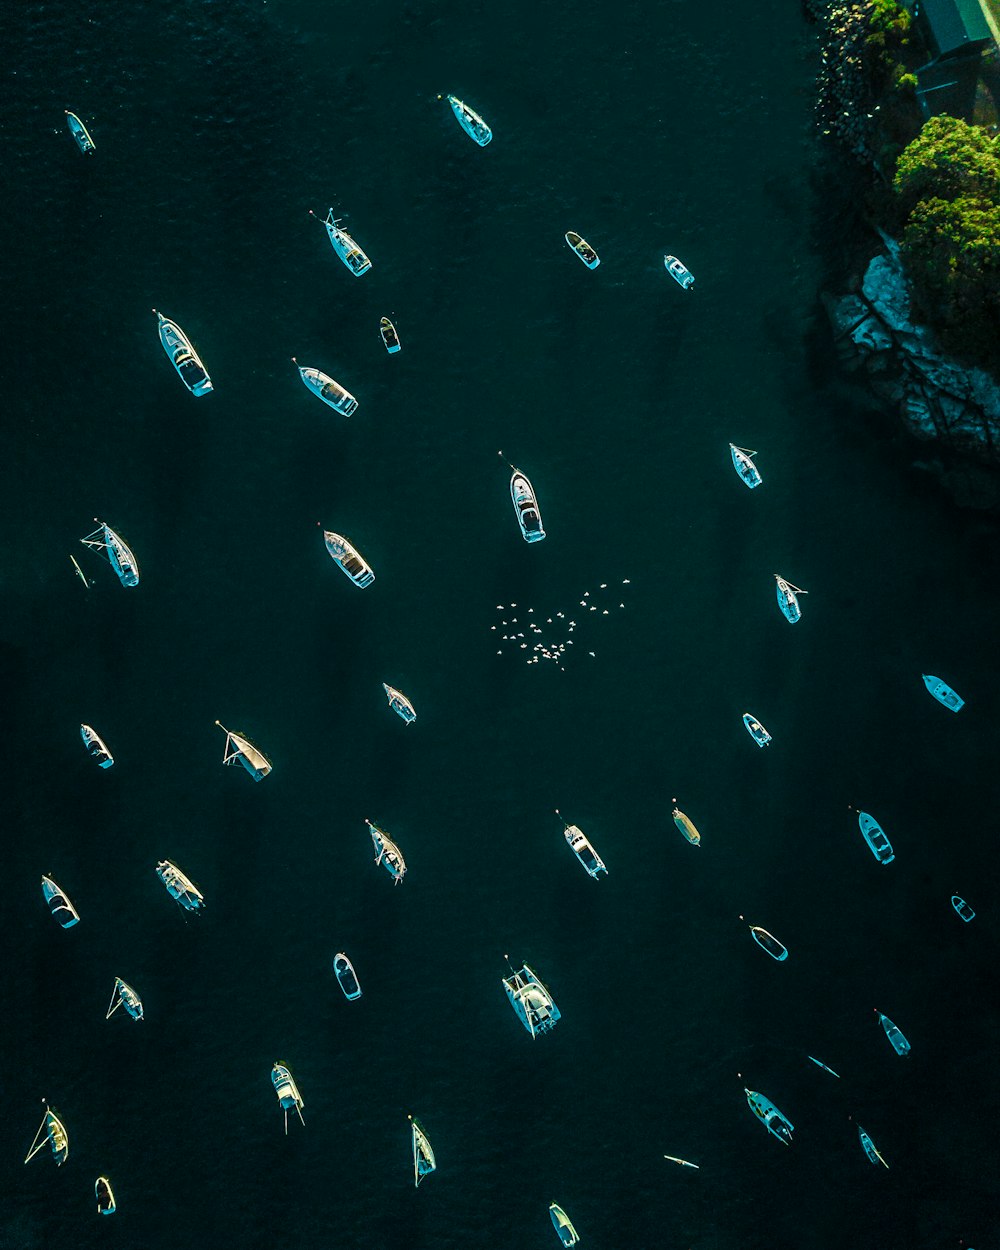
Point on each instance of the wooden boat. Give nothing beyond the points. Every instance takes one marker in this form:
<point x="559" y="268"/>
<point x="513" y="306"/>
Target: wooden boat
<point x="531" y="1001"/>
<point x="59" y="905"/>
<point x="963" y="909"/>
<point x="287" y="1091"/>
<point x="337" y="397"/>
<point x="583" y="849"/>
<point x="756" y="730"/>
<point x="583" y="249"/>
<point x="869" y="1147"/>
<point x="95" y="747"/>
<point x="529" y="516"/>
<point x="768" y="942"/>
<point x="181" y="354"/>
<point x="819" y="1064"/>
<point x="105" y="1196"/>
<point x="683" y="1162"/>
<point x="80" y="133"/>
<point x="423" y="1154"/>
<point x="944" y="694"/>
<point x="874" y="835"/>
<point x="400" y="704"/>
<point x="679" y="272"/>
<point x="470" y="121"/>
<point x="346" y="976"/>
<point x="51" y="1131"/>
<point x="180" y="887"/>
<point x="123" y="995"/>
<point x="744" y="466"/>
<point x="895" y="1035"/>
<point x="241" y="750"/>
<point x="787" y="600"/>
<point x="769" y="1115"/>
<point x="563" y="1225"/>
<point x="389" y="336"/>
<point x="686" y="825"/>
<point x="387" y="853"/>
<point x="350" y="560"/>
<point x="344" y="245"/>
<point x="118" y="553"/>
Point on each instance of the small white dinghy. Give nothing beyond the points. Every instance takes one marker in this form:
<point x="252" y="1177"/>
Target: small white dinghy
<point x="95" y="747"/>
<point x="51" y="1132"/>
<point x="756" y="730"/>
<point x="387" y="853"/>
<point x="963" y="909"/>
<point x="583" y="849"/>
<point x="470" y="121"/>
<point x="768" y="942"/>
<point x="80" y="133"/>
<point x="583" y="249"/>
<point x="123" y="995"/>
<point x="181" y="354"/>
<point x="744" y="466"/>
<point x="105" y="1196"/>
<point x="180" y="887"/>
<point x="347" y="978"/>
<point x="241" y="750"/>
<point x="563" y="1225"/>
<point x="895" y="1035"/>
<point x="390" y="338"/>
<point x="679" y="272"/>
<point x="349" y="559"/>
<point x="325" y="388"/>
<point x="944" y="694"/>
<point x="787" y="599"/>
<point x="59" y="905"/>
<point x="119" y="554"/>
<point x="344" y="245"/>
<point x="424" y="1162"/>
<point x="400" y="704"/>
<point x="289" y="1097"/>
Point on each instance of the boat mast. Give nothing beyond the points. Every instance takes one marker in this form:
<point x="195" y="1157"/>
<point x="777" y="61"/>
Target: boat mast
<point x="36" y="1145"/>
<point x="115" y="993"/>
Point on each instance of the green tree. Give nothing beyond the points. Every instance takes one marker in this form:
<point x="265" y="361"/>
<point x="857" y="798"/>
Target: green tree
<point x="949" y="159"/>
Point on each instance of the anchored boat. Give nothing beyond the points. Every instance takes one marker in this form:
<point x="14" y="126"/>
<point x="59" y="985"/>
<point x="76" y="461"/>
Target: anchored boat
<point x="400" y="704"/>
<point x="583" y="849"/>
<point x="962" y="907"/>
<point x="869" y="1147"/>
<point x="387" y="853"/>
<point x="896" y="1039"/>
<point x="944" y="694"/>
<point x="345" y="247"/>
<point x="80" y="133"/>
<point x="123" y="995"/>
<point x="744" y="465"/>
<point x="874" y="835"/>
<point x="769" y="1115"/>
<point x="756" y="730"/>
<point x="532" y="1001"/>
<point x="563" y="1225"/>
<point x="679" y="272"/>
<point x="787" y="599"/>
<point x="529" y="516"/>
<point x="768" y="942"/>
<point x="181" y="354"/>
<point x="583" y="249"/>
<point x="349" y="558"/>
<point x="180" y="887"/>
<point x="287" y="1091"/>
<point x="59" y="905"/>
<point x="105" y="1196"/>
<point x="95" y="747"/>
<point x="819" y="1064"/>
<point x="423" y="1155"/>
<point x="686" y="825"/>
<point x="330" y="392"/>
<point x="119" y="554"/>
<point x="53" y="1132"/>
<point x="346" y="976"/>
<point x="241" y="750"/>
<point x="389" y="336"/>
<point x="470" y="121"/>
<point x="683" y="1162"/>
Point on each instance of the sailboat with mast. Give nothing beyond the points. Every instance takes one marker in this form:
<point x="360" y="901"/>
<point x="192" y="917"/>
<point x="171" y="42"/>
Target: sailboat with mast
<point x="51" y="1132"/>
<point x="181" y="354"/>
<point x="400" y="704"/>
<point x="118" y="552"/>
<point x="125" y="996"/>
<point x="59" y="905"/>
<point x="788" y="599"/>
<point x="180" y="887"/>
<point x="241" y="750"/>
<point x="744" y="465"/>
<point x="424" y="1162"/>
<point x="387" y="853"/>
<point x="344" y="245"/>
<point x="96" y="748"/>
<point x="533" y="1003"/>
<point x="869" y="1147"/>
<point x="288" y="1092"/>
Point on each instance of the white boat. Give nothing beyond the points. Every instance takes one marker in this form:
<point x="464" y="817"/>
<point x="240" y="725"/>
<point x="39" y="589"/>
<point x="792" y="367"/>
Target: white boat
<point x="529" y="516"/>
<point x="583" y="849"/>
<point x="80" y="573"/>
<point x="470" y="121"/>
<point x="400" y="704"/>
<point x="80" y="133"/>
<point x="744" y="466"/>
<point x="345" y="246"/>
<point x="874" y="835"/>
<point x="387" y="853"/>
<point x="51" y="1131"/>
<point x="179" y="886"/>
<point x="105" y="1196"/>
<point x="349" y="558"/>
<point x="330" y="392"/>
<point x="962" y="907"/>
<point x="869" y="1148"/>
<point x="787" y="599"/>
<point x="59" y="905"/>
<point x="944" y="694"/>
<point x="346" y="976"/>
<point x="532" y="1001"/>
<point x="769" y="1115"/>
<point x="686" y="825"/>
<point x="95" y="747"/>
<point x="181" y="354"/>
<point x="123" y="995"/>
<point x="684" y="1163"/>
<point x="118" y="553"/>
<point x="583" y="249"/>
<point x="389" y="336"/>
<point x="423" y="1154"/>
<point x="756" y="730"/>
<point x="563" y="1225"/>
<point x="679" y="272"/>
<point x="895" y="1035"/>
<point x="287" y="1091"/>
<point x="241" y="750"/>
<point x="768" y="942"/>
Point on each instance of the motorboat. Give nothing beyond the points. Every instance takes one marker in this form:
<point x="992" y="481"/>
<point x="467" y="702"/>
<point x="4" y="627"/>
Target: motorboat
<point x="944" y="694"/>
<point x="787" y="599"/>
<point x="895" y="1035"/>
<point x="470" y="121"/>
<point x="869" y="1147"/>
<point x="287" y="1091"/>
<point x="744" y="465"/>
<point x="180" y="887"/>
<point x="389" y="336"/>
<point x="123" y="995"/>
<point x="563" y="1225"/>
<point x="344" y="245"/>
<point x="330" y="392"/>
<point x="346" y="976"/>
<point x="387" y="853"/>
<point x="679" y="272"/>
<point x="80" y="133"/>
<point x="532" y="1001"/>
<point x="241" y="750"/>
<point x="684" y="1163"/>
<point x="105" y="1196"/>
<point x="529" y="517"/>
<point x="181" y="354"/>
<point x="756" y="730"/>
<point x="874" y="835"/>
<point x="583" y="249"/>
<point x="819" y="1064"/>
<point x="95" y="747"/>
<point x="768" y="942"/>
<point x="686" y="825"/>
<point x="59" y="905"/>
<point x="118" y="552"/>
<point x="424" y="1162"/>
<point x="769" y="1115"/>
<point x="52" y="1132"/>
<point x="582" y="848"/>
<point x="965" y="912"/>
<point x="400" y="704"/>
<point x="349" y="558"/>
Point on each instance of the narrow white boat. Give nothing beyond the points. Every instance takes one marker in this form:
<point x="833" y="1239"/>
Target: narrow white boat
<point x="400" y="704"/>
<point x="744" y="466"/>
<point x="424" y="1162"/>
<point x="769" y="1115"/>
<point x="180" y="887"/>
<point x="349" y="559"/>
<point x="686" y="825"/>
<point x="787" y="599"/>
<point x="387" y="853"/>
<point x="181" y="354"/>
<point x="80" y="133"/>
<point x="59" y="905"/>
<point x="105" y="1196"/>
<point x="123" y="995"/>
<point x="563" y="1225"/>
<point x="820" y="1064"/>
<point x="470" y="121"/>
<point x="869" y="1147"/>
<point x="944" y="694"/>
<point x="768" y="942"/>
<point x="51" y="1132"/>
<point x="80" y="573"/>
<point x="895" y="1035"/>
<point x="390" y="338"/>
<point x="756" y="730"/>
<point x="242" y="751"/>
<point x="288" y="1092"/>
<point x="532" y="1001"/>
<point x="874" y="835"/>
<point x="679" y="272"/>
<point x="330" y="392"/>
<point x="684" y="1163"/>
<point x="529" y="516"/>
<point x="117" y="551"/>
<point x="963" y="909"/>
<point x="346" y="976"/>
<point x="344" y="245"/>
<point x="583" y="249"/>
<point x="583" y="849"/>
<point x="95" y="747"/>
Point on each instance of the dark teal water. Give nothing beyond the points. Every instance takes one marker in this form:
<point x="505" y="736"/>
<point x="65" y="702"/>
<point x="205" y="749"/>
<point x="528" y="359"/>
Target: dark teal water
<point x="648" y="129"/>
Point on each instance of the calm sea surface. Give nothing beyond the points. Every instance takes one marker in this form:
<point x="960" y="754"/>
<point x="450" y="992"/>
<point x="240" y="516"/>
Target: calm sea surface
<point x="674" y="127"/>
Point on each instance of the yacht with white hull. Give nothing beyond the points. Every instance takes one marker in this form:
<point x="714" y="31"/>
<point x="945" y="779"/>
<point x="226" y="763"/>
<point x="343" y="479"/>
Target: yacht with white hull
<point x="95" y="747"/>
<point x="563" y="1225"/>
<point x="583" y="849"/>
<point x="679" y="272"/>
<point x="180" y="887"/>
<point x="349" y="559"/>
<point x="337" y="397"/>
<point x="744" y="465"/>
<point x="51" y="1132"/>
<point x="583" y="249"/>
<point x="874" y="835"/>
<point x="532" y="1001"/>
<point x="80" y="133"/>
<point x="119" y="554"/>
<point x="390" y="336"/>
<point x="289" y="1097"/>
<point x="944" y="694"/>
<point x="470" y="121"/>
<point x="788" y="599"/>
<point x="529" y="516"/>
<point x="347" y="978"/>
<point x="343" y="244"/>
<point x="240" y="750"/>
<point x="181" y="354"/>
<point x="105" y="1196"/>
<point x="769" y="1115"/>
<point x="123" y="995"/>
<point x="59" y="905"/>
<point x="768" y="942"/>
<point x="387" y="853"/>
<point x="424" y="1162"/>
<point x="400" y="704"/>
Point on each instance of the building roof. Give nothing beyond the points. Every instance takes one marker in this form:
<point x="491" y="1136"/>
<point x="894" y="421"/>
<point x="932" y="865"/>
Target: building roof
<point x="955" y="23"/>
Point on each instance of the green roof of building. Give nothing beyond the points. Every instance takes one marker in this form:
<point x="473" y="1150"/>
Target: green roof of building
<point x="955" y="23"/>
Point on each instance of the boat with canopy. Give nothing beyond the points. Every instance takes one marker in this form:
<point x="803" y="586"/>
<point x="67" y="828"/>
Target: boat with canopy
<point x="788" y="599"/>
<point x="583" y="849"/>
<point x="756" y="730"/>
<point x="424" y="1162"/>
<point x="337" y="397"/>
<point x="95" y="747"/>
<point x="531" y="1001"/>
<point x="118" y="553"/>
<point x="80" y="133"/>
<point x="963" y="909"/>
<point x="529" y="516"/>
<point x="123" y="995"/>
<point x="180" y="887"/>
<point x="347" y="978"/>
<point x="350" y="560"/>
<point x="563" y="1225"/>
<point x="744" y="465"/>
<point x="400" y="704"/>
<point x="241" y="750"/>
<point x="181" y="354"/>
<point x="944" y="694"/>
<point x="51" y="1132"/>
<point x="390" y="338"/>
<point x="768" y="942"/>
<point x="344" y="245"/>
<point x="769" y="1115"/>
<point x="59" y="905"/>
<point x="895" y="1035"/>
<point x="686" y="825"/>
<point x="289" y="1097"/>
<point x="679" y="272"/>
<point x="583" y="249"/>
<point x="105" y="1196"/>
<point x="470" y="121"/>
<point x="874" y="835"/>
<point x="387" y="853"/>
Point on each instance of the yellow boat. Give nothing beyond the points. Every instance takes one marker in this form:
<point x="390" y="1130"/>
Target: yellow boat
<point x="686" y="825"/>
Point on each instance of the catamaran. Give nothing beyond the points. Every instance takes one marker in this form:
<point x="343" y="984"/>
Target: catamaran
<point x="179" y="886"/>
<point x="181" y="354"/>
<point x="563" y="1225"/>
<point x="769" y="1115"/>
<point x="338" y="397"/>
<point x="944" y="694"/>
<point x="686" y="825"/>
<point x="80" y="133"/>
<point x="744" y="465"/>
<point x="756" y="730"/>
<point x="95" y="747"/>
<point x="869" y="1148"/>
<point x="532" y="1001"/>
<point x="583" y="849"/>
<point x="526" y="508"/>
<point x="583" y="249"/>
<point x="105" y="1196"/>
<point x="349" y="559"/>
<point x="119" y="554"/>
<point x="241" y="750"/>
<point x="346" y="976"/>
<point x="787" y="599"/>
<point x="123" y="995"/>
<point x="768" y="942"/>
<point x="59" y="905"/>
<point x="387" y="853"/>
<point x="345" y="247"/>
<point x="400" y="704"/>
<point x="679" y="272"/>
<point x="874" y="835"/>
<point x="896" y="1039"/>
<point x="423" y="1155"/>
<point x="287" y="1091"/>
<point x="962" y="907"/>
<point x="389" y="336"/>
<point x="470" y="121"/>
<point x="51" y="1131"/>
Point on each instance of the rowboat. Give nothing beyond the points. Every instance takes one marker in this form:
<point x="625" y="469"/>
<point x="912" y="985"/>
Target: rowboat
<point x="344" y="245"/>
<point x="59" y="905"/>
<point x="51" y="1131"/>
<point x="529" y="516"/>
<point x="896" y="1039"/>
<point x="874" y="835"/>
<point x="869" y="1147"/>
<point x="123" y="995"/>
<point x="400" y="704"/>
<point x="105" y="1196"/>
<point x="95" y="747"/>
<point x="679" y="272"/>
<point x="962" y="907"/>
<point x="683" y="1162"/>
<point x="389" y="336"/>
<point x="470" y="121"/>
<point x="119" y="554"/>
<point x="686" y="825"/>
<point x="744" y="466"/>
<point x="387" y="853"/>
<point x="80" y="573"/>
<point x="583" y="849"/>
<point x="787" y="600"/>
<point x="819" y="1064"/>
<point x="349" y="559"/>
<point x="241" y="750"/>
<point x="288" y="1092"/>
<point x="583" y="249"/>
<point x="181" y="354"/>
<point x="768" y="942"/>
<point x="423" y="1154"/>
<point x="180" y="887"/>
<point x="563" y="1225"/>
<point x="531" y="1001"/>
<point x="325" y="388"/>
<point x="769" y="1115"/>
<point x="80" y="133"/>
<point x="756" y="730"/>
<point x="346" y="976"/>
<point x="944" y="694"/>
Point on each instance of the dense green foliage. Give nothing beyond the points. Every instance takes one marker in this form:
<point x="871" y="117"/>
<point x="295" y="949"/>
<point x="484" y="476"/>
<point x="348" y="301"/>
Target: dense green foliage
<point x="888" y="33"/>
